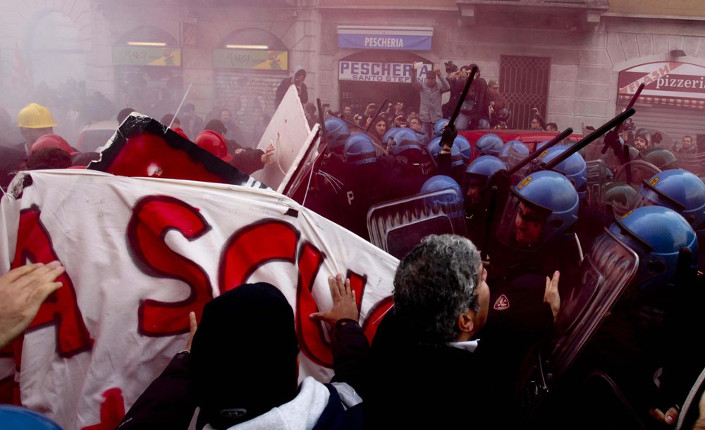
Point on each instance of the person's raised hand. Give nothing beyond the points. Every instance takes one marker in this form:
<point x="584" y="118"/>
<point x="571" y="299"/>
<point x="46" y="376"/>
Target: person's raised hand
<point x="448" y="137"/>
<point x="22" y="292"/>
<point x="551" y="295"/>
<point x="268" y="156"/>
<point x="344" y="302"/>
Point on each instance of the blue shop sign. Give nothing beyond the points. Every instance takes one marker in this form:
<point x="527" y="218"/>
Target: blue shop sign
<point x="396" y="38"/>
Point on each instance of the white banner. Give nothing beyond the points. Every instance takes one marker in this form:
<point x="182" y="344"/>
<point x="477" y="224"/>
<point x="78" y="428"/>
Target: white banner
<point x="140" y="253"/>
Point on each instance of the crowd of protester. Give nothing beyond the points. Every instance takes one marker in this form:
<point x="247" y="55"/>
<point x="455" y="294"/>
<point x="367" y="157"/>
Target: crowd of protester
<point x="477" y="306"/>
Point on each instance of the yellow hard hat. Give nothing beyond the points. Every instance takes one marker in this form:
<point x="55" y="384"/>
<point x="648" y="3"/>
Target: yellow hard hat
<point x="35" y="116"/>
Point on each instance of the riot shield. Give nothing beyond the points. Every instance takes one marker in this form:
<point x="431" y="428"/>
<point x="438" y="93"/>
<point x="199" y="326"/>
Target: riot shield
<point x="598" y="175"/>
<point x="635" y="172"/>
<point x="397" y="226"/>
<point x="694" y="163"/>
<point x="605" y="273"/>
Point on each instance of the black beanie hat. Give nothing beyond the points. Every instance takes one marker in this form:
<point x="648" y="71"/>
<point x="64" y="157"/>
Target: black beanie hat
<point x="244" y="355"/>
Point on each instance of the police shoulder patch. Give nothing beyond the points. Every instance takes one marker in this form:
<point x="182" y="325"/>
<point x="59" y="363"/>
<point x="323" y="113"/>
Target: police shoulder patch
<point x="502" y="303"/>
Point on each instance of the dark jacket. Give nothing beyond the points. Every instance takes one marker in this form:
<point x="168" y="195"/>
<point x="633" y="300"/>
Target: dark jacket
<point x="284" y="87"/>
<point x="168" y="403"/>
<point x="417" y="386"/>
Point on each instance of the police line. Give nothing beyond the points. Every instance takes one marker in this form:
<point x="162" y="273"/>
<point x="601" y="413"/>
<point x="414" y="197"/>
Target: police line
<point x="140" y="253"/>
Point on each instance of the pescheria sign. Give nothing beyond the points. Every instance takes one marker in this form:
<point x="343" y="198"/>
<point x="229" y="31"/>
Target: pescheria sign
<point x="140" y="253"/>
<point x="379" y="72"/>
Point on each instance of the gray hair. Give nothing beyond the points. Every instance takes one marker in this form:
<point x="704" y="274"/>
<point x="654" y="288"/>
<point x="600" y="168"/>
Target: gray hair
<point x="434" y="283"/>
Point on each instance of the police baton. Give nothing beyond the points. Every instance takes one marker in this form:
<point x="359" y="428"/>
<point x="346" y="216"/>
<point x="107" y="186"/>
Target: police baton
<point x="456" y="112"/>
<point x="631" y="104"/>
<point x="556" y="139"/>
<point x="616" y="121"/>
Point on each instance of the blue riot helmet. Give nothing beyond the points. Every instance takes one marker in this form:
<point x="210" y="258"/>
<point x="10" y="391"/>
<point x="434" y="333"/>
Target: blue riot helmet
<point x="359" y="150"/>
<point x="541" y="144"/>
<point x="443" y="182"/>
<point x="17" y="417"/>
<point x="573" y="167"/>
<point x="406" y="145"/>
<point x="440" y="182"/>
<point x="489" y="144"/>
<point x="656" y="234"/>
<point x="677" y="189"/>
<point x="478" y="174"/>
<point x="456" y="158"/>
<point x="465" y="147"/>
<point x="513" y="152"/>
<point x="545" y="199"/>
<point x="439" y="126"/>
<point x="337" y="133"/>
<point x="485" y="166"/>
<point x="388" y="137"/>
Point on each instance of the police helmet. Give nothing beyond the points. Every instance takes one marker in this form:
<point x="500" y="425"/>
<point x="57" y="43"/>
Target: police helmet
<point x="513" y="152"/>
<point x="439" y="126"/>
<point x="456" y="158"/>
<point x="485" y="166"/>
<point x="573" y="167"/>
<point x="388" y="137"/>
<point x="359" y="150"/>
<point x="17" y="417"/>
<point x="656" y="234"/>
<point x="489" y="144"/>
<point x="406" y="144"/>
<point x="677" y="189"/>
<point x="443" y="182"/>
<point x="550" y="194"/>
<point x="440" y="182"/>
<point x="465" y="147"/>
<point x="337" y="133"/>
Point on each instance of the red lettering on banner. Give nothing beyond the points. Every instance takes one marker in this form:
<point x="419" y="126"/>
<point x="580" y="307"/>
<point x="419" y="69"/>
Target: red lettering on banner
<point x="375" y="317"/>
<point x="253" y="246"/>
<point x="311" y="340"/>
<point x="112" y="410"/>
<point x="152" y="218"/>
<point x="60" y="308"/>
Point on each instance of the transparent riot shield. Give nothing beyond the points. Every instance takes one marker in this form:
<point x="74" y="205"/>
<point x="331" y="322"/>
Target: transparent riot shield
<point x="694" y="163"/>
<point x="598" y="175"/>
<point x="397" y="226"/>
<point x="635" y="172"/>
<point x="606" y="272"/>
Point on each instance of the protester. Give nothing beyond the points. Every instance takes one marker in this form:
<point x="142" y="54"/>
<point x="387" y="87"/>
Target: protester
<point x="298" y="81"/>
<point x="247" y="160"/>
<point x="430" y="92"/>
<point x="241" y="368"/>
<point x="422" y="357"/>
<point x="34" y="121"/>
<point x="191" y="123"/>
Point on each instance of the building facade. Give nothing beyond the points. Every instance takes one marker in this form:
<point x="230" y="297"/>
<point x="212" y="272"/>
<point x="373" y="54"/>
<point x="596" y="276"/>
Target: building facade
<point x="578" y="61"/>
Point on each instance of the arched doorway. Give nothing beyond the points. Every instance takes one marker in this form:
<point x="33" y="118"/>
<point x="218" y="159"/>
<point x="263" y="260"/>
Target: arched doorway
<point x="248" y="65"/>
<point x="148" y="71"/>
